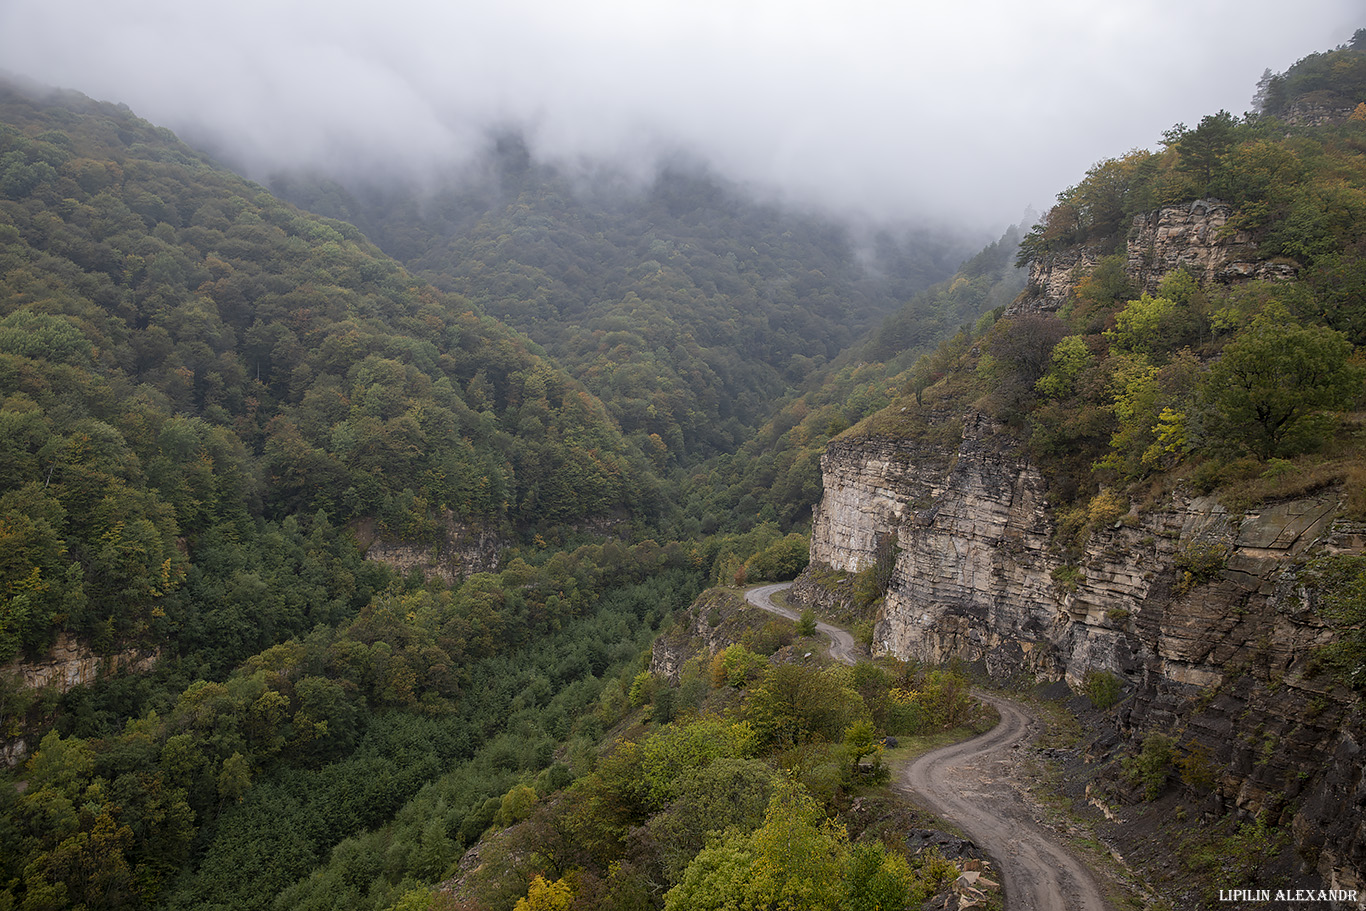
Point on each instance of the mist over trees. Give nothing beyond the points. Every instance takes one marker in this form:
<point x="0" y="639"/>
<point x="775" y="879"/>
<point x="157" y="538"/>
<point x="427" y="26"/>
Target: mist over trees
<point x="207" y="393"/>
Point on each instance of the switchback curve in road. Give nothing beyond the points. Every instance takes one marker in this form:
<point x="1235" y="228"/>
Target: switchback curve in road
<point x="842" y="646"/>
<point x="969" y="783"/>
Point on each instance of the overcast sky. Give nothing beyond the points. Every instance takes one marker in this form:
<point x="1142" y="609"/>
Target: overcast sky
<point x="970" y="110"/>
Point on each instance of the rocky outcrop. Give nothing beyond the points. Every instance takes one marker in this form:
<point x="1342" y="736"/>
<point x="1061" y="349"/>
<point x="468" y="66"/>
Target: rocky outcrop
<point x="1052" y="278"/>
<point x="831" y="595"/>
<point x="70" y="663"/>
<point x="1207" y="617"/>
<point x="1308" y="112"/>
<point x="972" y="578"/>
<point x="1202" y="613"/>
<point x="459" y="550"/>
<point x="1195" y="236"/>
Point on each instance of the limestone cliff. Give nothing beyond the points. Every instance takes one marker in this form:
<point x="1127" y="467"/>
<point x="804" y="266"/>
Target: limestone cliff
<point x="457" y="551"/>
<point x="70" y="663"/>
<point x="1195" y="236"/>
<point x="1201" y="612"/>
<point x="1051" y="279"/>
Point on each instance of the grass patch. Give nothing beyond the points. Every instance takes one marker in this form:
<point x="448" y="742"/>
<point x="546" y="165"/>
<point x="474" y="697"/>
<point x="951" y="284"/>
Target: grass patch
<point x="1246" y="483"/>
<point x="1062" y="730"/>
<point x="909" y="748"/>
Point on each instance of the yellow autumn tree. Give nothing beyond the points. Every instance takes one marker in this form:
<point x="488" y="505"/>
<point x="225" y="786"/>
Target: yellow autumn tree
<point x="544" y="895"/>
<point x="799" y="856"/>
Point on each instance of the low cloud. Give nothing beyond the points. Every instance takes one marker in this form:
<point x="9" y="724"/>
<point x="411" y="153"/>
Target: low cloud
<point x="894" y="110"/>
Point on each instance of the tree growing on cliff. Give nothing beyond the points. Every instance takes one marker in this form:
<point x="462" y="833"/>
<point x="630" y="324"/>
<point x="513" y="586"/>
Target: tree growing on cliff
<point x="1272" y="388"/>
<point x="872" y="582"/>
<point x="1201" y="150"/>
<point x="1019" y="351"/>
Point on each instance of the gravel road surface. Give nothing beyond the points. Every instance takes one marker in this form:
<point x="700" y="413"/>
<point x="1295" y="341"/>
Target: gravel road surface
<point x="972" y="785"/>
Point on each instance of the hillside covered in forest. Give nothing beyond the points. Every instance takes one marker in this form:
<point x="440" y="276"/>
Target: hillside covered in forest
<point x="334" y="545"/>
<point x="214" y="402"/>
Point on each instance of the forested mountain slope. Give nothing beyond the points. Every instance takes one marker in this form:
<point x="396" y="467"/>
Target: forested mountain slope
<point x="205" y="391"/>
<point x="183" y="358"/>
<point x="776" y="473"/>
<point x="686" y="306"/>
<point x="201" y="387"/>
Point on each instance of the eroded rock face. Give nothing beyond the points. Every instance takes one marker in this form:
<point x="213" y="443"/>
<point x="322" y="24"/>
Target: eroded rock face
<point x="70" y="663"/>
<point x="972" y="578"/>
<point x="1052" y="278"/>
<point x="1202" y="613"/>
<point x="460" y="550"/>
<point x="869" y="486"/>
<point x="1306" y="113"/>
<point x="1195" y="236"/>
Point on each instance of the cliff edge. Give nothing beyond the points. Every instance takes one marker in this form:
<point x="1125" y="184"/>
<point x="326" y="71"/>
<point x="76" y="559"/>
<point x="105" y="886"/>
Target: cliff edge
<point x="1202" y="614"/>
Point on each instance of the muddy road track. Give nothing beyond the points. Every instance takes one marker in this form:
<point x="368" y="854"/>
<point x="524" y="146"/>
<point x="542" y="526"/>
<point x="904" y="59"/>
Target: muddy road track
<point x="842" y="647"/>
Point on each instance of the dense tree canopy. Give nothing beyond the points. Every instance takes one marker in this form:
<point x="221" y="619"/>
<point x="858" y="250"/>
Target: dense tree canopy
<point x="685" y="306"/>
<point x="206" y="393"/>
<point x="186" y="363"/>
<point x="1275" y="377"/>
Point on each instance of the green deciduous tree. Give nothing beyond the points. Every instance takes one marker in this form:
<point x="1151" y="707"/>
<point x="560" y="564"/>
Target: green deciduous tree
<point x="729" y="793"/>
<point x="795" y="704"/>
<point x="799" y="855"/>
<point x="1275" y="381"/>
<point x="796" y="860"/>
<point x="1069" y="358"/>
<point x="880" y="881"/>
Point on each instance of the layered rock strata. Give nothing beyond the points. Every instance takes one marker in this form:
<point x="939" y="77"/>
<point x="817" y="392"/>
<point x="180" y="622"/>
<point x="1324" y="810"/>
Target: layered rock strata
<point x="1195" y="236"/>
<point x="1204" y="615"/>
<point x="71" y="663"/>
<point x="459" y="550"/>
<point x="1052" y="278"/>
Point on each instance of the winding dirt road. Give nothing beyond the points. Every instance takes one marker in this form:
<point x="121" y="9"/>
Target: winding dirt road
<point x="969" y="783"/>
<point x="841" y="643"/>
